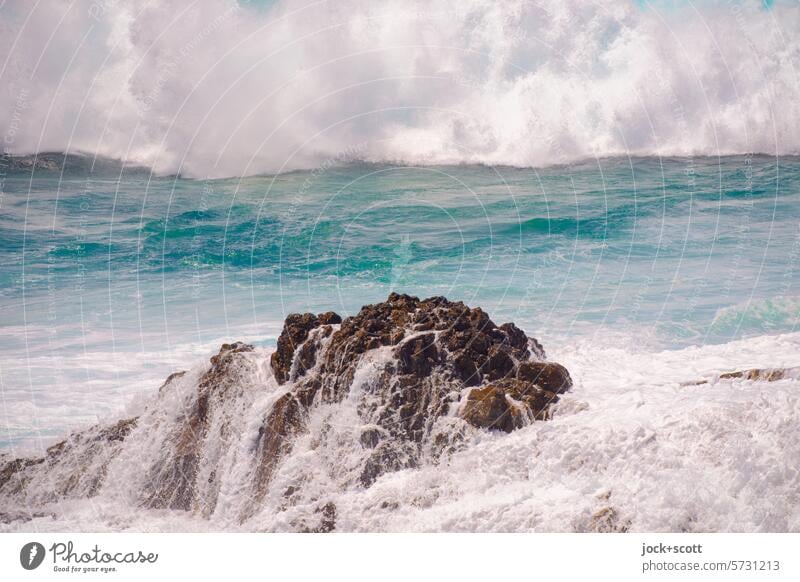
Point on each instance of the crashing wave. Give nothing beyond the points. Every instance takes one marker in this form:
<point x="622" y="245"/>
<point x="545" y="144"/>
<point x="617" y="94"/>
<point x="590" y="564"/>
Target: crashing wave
<point x="229" y="89"/>
<point x="400" y="385"/>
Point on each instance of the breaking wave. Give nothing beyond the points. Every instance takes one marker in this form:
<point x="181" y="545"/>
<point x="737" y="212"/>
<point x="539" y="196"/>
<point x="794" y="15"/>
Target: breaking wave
<point x="229" y="89"/>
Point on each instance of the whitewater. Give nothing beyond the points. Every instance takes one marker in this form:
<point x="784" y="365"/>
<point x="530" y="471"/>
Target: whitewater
<point x="232" y="88"/>
<point x="619" y="180"/>
<point x="629" y="449"/>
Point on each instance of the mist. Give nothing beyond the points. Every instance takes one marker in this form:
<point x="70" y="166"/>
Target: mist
<point x="220" y="88"/>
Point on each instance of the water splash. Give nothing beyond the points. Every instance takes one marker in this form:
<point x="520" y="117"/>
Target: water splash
<point x="229" y="90"/>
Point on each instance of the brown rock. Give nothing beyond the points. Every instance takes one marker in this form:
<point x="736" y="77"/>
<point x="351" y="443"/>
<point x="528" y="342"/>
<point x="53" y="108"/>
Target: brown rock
<point x="418" y="356"/>
<point x="170" y="379"/>
<point x="432" y="350"/>
<point x="370" y="437"/>
<point x="386" y="458"/>
<point x="286" y="420"/>
<point x="548" y="375"/>
<point x="761" y="374"/>
<point x="329" y="318"/>
<point x="460" y="346"/>
<point x="79" y="463"/>
<point x="765" y="374"/>
<point x="295" y="331"/>
<point x="499" y="365"/>
<point x="536" y="400"/>
<point x="466" y="370"/>
<point x="487" y="407"/>
<point x="516" y="337"/>
<point x="507" y="404"/>
<point x="172" y="478"/>
<point x="327" y="522"/>
<point x="9" y="475"/>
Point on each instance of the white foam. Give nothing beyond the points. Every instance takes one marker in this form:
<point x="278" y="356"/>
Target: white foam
<point x="231" y="90"/>
<point x="630" y="447"/>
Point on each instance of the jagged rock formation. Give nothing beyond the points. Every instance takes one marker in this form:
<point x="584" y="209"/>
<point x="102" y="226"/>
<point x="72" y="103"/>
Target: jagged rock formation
<point x="395" y="386"/>
<point x="765" y="374"/>
<point x="294" y="335"/>
<point x="75" y="467"/>
<point x="185" y="477"/>
<point x="433" y="349"/>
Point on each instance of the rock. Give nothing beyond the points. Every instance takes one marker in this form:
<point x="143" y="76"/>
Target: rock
<point x="388" y="457"/>
<point x="466" y="370"/>
<point x="296" y="330"/>
<point x="170" y="379"/>
<point x="370" y="437"/>
<point x="760" y="374"/>
<point x="507" y="404"/>
<point x="7" y="517"/>
<point x="547" y="375"/>
<point x="605" y="520"/>
<point x="487" y="407"/>
<point x="74" y="467"/>
<point x="531" y="402"/>
<point x="175" y="480"/>
<point x="694" y="383"/>
<point x="327" y="522"/>
<point x="418" y="356"/>
<point x="118" y="431"/>
<point x="329" y="318"/>
<point x="499" y="364"/>
<point x="764" y="374"/>
<point x="219" y="373"/>
<point x="286" y="420"/>
<point x="419" y="376"/>
<point x="438" y="348"/>
<point x="10" y="472"/>
<point x="516" y="337"/>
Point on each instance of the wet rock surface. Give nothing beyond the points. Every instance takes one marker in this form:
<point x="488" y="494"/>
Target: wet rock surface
<point x="74" y="467"/>
<point x="429" y="351"/>
<point x="296" y="330"/>
<point x="765" y="374"/>
<point x="507" y="404"/>
<point x="286" y="420"/>
<point x="175" y="481"/>
<point x="417" y="374"/>
<point x="753" y="374"/>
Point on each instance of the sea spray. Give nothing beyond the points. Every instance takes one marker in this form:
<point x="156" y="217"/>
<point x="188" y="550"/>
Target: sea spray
<point x="231" y="89"/>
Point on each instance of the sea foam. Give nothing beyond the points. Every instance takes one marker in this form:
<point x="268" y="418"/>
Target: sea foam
<point x="630" y="448"/>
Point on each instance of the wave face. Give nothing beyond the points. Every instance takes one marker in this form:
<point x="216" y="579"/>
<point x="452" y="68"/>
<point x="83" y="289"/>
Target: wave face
<point x="229" y="89"/>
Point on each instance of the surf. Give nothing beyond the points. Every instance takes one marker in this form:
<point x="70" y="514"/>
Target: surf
<point x="472" y="82"/>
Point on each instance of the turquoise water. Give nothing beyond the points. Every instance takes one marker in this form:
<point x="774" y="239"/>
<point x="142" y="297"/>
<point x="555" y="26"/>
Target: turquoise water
<point x="113" y="278"/>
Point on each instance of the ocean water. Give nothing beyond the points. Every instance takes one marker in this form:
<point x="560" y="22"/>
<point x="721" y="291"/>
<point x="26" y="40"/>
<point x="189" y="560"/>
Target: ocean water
<point x="113" y="277"/>
<point x="577" y="168"/>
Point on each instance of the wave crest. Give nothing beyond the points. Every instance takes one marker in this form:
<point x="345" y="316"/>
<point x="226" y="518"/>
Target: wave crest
<point x="228" y="89"/>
